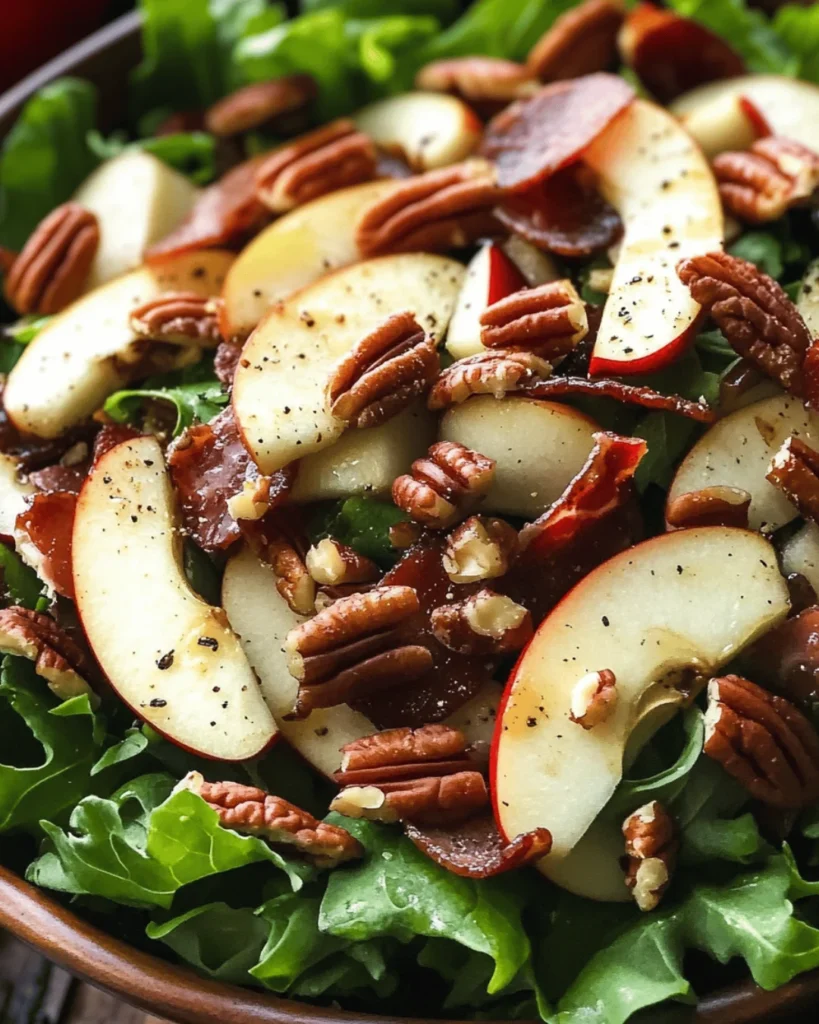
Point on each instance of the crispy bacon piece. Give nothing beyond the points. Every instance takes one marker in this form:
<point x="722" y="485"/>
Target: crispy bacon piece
<point x="627" y="394"/>
<point x="226" y="360"/>
<point x="111" y="435"/>
<point x="49" y="523"/>
<point x="533" y="138"/>
<point x="59" y="478"/>
<point x="475" y="848"/>
<point x="787" y="659"/>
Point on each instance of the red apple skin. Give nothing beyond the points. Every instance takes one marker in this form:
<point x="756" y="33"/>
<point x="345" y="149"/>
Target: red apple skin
<point x="493" y="749"/>
<point x="755" y="116"/>
<point x="601" y="367"/>
<point x="504" y="276"/>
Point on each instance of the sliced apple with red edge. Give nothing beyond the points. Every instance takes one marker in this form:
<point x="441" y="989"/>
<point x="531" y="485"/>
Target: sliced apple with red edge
<point x="737" y="450"/>
<point x="169" y="655"/>
<point x="281" y="387"/>
<point x="538" y="448"/>
<point x="427" y="129"/>
<point x="14" y="490"/>
<point x="88" y="351"/>
<point x="660" y="183"/>
<point x="800" y="553"/>
<point x="669" y="611"/>
<point x="293" y="252"/>
<point x="490" y="275"/>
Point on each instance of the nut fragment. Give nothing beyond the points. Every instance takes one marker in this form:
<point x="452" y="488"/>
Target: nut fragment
<point x="329" y="158"/>
<point x="485" y="623"/>
<point x="51" y="270"/>
<point x="760" y="184"/>
<point x="593" y="698"/>
<point x="711" y="506"/>
<point x="352" y="649"/>
<point x="753" y="312"/>
<point x="487" y="83"/>
<point x="581" y="41"/>
<point x="179" y="318"/>
<point x="57" y="658"/>
<point x="480" y="549"/>
<point x="487" y="373"/>
<point x="332" y="563"/>
<point x="763" y="741"/>
<point x="651" y="853"/>
<point x="440" y="210"/>
<point x="253" y="501"/>
<point x="795" y="471"/>
<point x="549" y="320"/>
<point x="284" y="552"/>
<point x="444" y="484"/>
<point x="251" y="106"/>
<point x="252" y="811"/>
<point x="384" y="372"/>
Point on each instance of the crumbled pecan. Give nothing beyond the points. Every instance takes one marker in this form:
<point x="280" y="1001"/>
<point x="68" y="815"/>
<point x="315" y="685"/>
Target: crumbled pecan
<point x="487" y="373"/>
<point x="795" y="471"/>
<point x="57" y="658"/>
<point x="651" y="853"/>
<point x="444" y="484"/>
<point x="352" y="649"/>
<point x="763" y="741"/>
<point x="253" y="105"/>
<point x="384" y="372"/>
<point x="581" y="41"/>
<point x="711" y="506"/>
<point x="436" y="211"/>
<point x="51" y="270"/>
<point x="486" y="83"/>
<point x="252" y="502"/>
<point x="485" y="623"/>
<point x="549" y="320"/>
<point x="180" y="318"/>
<point x="629" y="394"/>
<point x="760" y="184"/>
<point x="253" y="812"/>
<point x="332" y="563"/>
<point x="329" y="158"/>
<point x="753" y="312"/>
<point x="480" y="549"/>
<point x="284" y="550"/>
<point x="593" y="698"/>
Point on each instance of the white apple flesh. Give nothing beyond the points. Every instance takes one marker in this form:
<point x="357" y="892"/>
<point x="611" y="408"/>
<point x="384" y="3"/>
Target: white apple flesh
<point x="800" y="553"/>
<point x="14" y="489"/>
<point x="170" y="656"/>
<point x="660" y="183"/>
<point x="683" y="601"/>
<point x="807" y="301"/>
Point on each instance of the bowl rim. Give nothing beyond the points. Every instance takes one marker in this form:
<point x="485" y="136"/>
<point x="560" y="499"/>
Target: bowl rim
<point x="159" y="986"/>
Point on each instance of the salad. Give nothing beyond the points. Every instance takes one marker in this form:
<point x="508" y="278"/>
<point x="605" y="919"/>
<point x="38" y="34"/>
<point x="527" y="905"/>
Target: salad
<point x="409" y="488"/>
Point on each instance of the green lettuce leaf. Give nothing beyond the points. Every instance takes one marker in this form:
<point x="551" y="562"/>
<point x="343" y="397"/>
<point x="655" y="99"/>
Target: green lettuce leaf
<point x="191" y="153"/>
<point x="130" y="746"/>
<point x="21" y="581"/>
<point x="193" y="403"/>
<point x="798" y="28"/>
<point x="668" y="438"/>
<point x="444" y="10"/>
<point x="363" y="524"/>
<point x="26" y="329"/>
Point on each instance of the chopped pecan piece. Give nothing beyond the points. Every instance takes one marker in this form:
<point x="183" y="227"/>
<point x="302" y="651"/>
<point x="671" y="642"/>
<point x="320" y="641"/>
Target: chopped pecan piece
<point x="753" y="312"/>
<point x="253" y="105"/>
<point x="651" y="853"/>
<point x="404" y="535"/>
<point x="795" y="471"/>
<point x="252" y="501"/>
<point x="760" y="184"/>
<point x="581" y="41"/>
<point x="629" y="394"/>
<point x="282" y="547"/>
<point x="549" y="320"/>
<point x="436" y="211"/>
<point x="485" y="623"/>
<point x="486" y="83"/>
<point x="763" y="741"/>
<point x="57" y="658"/>
<point x="352" y="649"/>
<point x="712" y="506"/>
<point x="329" y="158"/>
<point x="480" y="549"/>
<point x="487" y="373"/>
<point x="332" y="563"/>
<point x="179" y="318"/>
<point x="786" y="659"/>
<point x="593" y="698"/>
<point x="253" y="812"/>
<point x="444" y="484"/>
<point x="384" y="372"/>
<point x="51" y="270"/>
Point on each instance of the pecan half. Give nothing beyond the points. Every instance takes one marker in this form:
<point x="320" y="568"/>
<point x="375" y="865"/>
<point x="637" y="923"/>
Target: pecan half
<point x="351" y="649"/>
<point x="444" y="484"/>
<point x="403" y="754"/>
<point x="763" y="741"/>
<point x="753" y="312"/>
<point x="651" y="853"/>
<point x="487" y="373"/>
<point x="486" y="83"/>
<point x="581" y="41"/>
<point x="593" y="698"/>
<point x="549" y="320"/>
<point x="712" y="506"/>
<point x="795" y="471"/>
<point x="57" y="658"/>
<point x="440" y="210"/>
<point x="51" y="270"/>
<point x="485" y="623"/>
<point x="332" y="563"/>
<point x="480" y="549"/>
<point x="253" y="105"/>
<point x="329" y="158"/>
<point x="180" y="318"/>
<point x="760" y="184"/>
<point x="253" y="812"/>
<point x="283" y="550"/>
<point x="385" y="372"/>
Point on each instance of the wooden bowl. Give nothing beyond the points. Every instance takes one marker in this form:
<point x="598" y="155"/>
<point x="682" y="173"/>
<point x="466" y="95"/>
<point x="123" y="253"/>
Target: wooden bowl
<point x="157" y="986"/>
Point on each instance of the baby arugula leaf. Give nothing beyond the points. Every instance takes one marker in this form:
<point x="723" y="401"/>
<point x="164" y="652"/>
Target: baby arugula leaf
<point x="21" y="581"/>
<point x="197" y="402"/>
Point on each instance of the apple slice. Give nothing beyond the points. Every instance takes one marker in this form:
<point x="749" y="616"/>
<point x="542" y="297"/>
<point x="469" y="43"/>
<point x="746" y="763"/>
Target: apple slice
<point x="800" y="553"/>
<point x="659" y="182"/>
<point x="490" y="275"/>
<point x="169" y="655"/>
<point x="538" y="447"/>
<point x="280" y="391"/>
<point x="137" y="200"/>
<point x="86" y="352"/>
<point x="808" y="301"/>
<point x="736" y="452"/>
<point x="293" y="252"/>
<point x="732" y="113"/>
<point x="427" y="129"/>
<point x="14" y="489"/>
<point x="678" y="604"/>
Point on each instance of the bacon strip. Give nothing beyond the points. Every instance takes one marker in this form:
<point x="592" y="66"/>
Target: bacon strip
<point x="475" y="848"/>
<point x="628" y="394"/>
